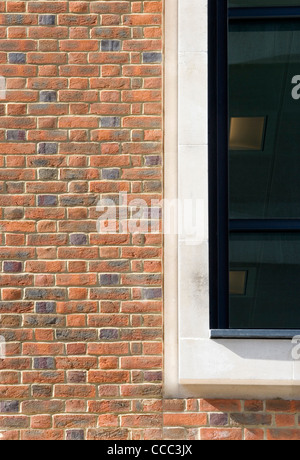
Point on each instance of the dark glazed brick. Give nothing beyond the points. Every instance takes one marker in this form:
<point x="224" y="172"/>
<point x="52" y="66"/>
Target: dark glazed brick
<point x="15" y="135"/>
<point x="44" y="363"/>
<point x="151" y="58"/>
<point x="75" y="435"/>
<point x="48" y="174"/>
<point x="47" y="148"/>
<point x="110" y="122"/>
<point x="109" y="280"/>
<point x="47" y="20"/>
<point x="109" y="334"/>
<point x="154" y="160"/>
<point x="153" y="376"/>
<point x="12" y="267"/>
<point x="45" y="307"/>
<point x="78" y="240"/>
<point x="154" y="293"/>
<point x="110" y="174"/>
<point x="47" y="200"/>
<point x="48" y="96"/>
<point x="110" y="45"/>
<point x="17" y="58"/>
<point x="9" y="406"/>
<point x="218" y="419"/>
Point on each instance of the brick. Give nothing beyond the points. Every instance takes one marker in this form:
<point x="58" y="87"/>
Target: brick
<point x="75" y="435"/>
<point x="41" y="422"/>
<point x="221" y="434"/>
<point x="17" y="58"/>
<point x="283" y="435"/>
<point x="217" y="405"/>
<point x="47" y="200"/>
<point x="9" y="406"/>
<point x="278" y="405"/>
<point x="108" y="434"/>
<point x="152" y="57"/>
<point x="110" y="45"/>
<point x="109" y="334"/>
<point x="14" y="421"/>
<point x="15" y="135"/>
<point x="218" y="419"/>
<point x="80" y="309"/>
<point x="110" y="174"/>
<point x="12" y="267"/>
<point x="47" y="148"/>
<point x="48" y="96"/>
<point x="251" y="419"/>
<point x="253" y="434"/>
<point x="47" y="20"/>
<point x="285" y="420"/>
<point x="78" y="240"/>
<point x="37" y="407"/>
<point x="44" y="363"/>
<point x="109" y="279"/>
<point x="185" y="419"/>
<point x="110" y="122"/>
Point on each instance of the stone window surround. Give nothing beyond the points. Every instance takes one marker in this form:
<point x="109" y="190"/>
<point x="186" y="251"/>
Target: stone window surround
<point x="195" y="365"/>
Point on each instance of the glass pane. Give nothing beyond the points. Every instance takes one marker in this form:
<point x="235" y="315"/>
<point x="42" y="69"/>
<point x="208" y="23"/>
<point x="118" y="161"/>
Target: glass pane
<point x="264" y="281"/>
<point x="256" y="3"/>
<point x="264" y="109"/>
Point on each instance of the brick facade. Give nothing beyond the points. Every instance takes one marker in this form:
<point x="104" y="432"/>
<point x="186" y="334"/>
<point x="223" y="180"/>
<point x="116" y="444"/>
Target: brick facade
<point x="82" y="311"/>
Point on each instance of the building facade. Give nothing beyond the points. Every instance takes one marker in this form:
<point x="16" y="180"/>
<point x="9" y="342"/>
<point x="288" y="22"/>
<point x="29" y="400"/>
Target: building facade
<point x="105" y="331"/>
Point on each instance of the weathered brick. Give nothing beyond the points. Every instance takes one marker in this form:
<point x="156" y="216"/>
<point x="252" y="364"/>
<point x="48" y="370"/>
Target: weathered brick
<point x="78" y="240"/>
<point x="47" y="148"/>
<point x="152" y="57"/>
<point x="110" y="122"/>
<point x="110" y="174"/>
<point x="17" y="58"/>
<point x="15" y="135"/>
<point x="47" y="20"/>
<point x="110" y="45"/>
<point x="47" y="200"/>
<point x="9" y="406"/>
<point x="12" y="267"/>
<point x="48" y="96"/>
<point x="75" y="435"/>
<point x="45" y="307"/>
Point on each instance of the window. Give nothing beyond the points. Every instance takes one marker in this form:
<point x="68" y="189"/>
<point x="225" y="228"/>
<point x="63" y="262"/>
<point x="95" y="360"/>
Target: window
<point x="255" y="168"/>
<point x="196" y="363"/>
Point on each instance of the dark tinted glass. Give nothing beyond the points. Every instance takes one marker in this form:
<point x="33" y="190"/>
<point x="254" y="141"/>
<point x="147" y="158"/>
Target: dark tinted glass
<point x="257" y="3"/>
<point x="264" y="281"/>
<point x="264" y="111"/>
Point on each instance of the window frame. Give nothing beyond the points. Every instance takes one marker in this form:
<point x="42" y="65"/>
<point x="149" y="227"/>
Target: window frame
<point x="195" y="364"/>
<point x="218" y="128"/>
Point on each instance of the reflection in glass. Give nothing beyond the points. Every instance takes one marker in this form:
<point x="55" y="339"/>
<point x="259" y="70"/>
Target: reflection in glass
<point x="264" y="57"/>
<point x="271" y="297"/>
<point x="237" y="282"/>
<point x="246" y="133"/>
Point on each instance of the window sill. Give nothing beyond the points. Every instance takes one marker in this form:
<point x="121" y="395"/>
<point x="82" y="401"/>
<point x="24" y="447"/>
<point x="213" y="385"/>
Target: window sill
<point x="253" y="333"/>
<point x="239" y="362"/>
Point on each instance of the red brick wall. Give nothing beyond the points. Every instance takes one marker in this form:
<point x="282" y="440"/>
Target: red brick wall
<point x="81" y="311"/>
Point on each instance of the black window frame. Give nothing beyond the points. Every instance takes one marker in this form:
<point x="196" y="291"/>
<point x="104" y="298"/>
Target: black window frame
<point x="218" y="128"/>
